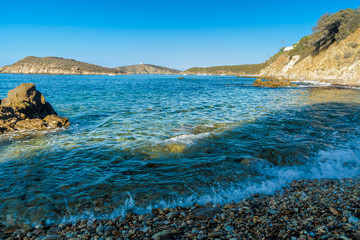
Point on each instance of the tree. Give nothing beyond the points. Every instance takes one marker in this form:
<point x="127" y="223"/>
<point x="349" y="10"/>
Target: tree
<point x="334" y="27"/>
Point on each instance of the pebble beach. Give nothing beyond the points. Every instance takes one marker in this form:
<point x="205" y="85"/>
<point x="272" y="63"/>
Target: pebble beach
<point x="307" y="209"/>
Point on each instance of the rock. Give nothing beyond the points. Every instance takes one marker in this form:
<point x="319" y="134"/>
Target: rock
<point x="272" y="211"/>
<point x="175" y="148"/>
<point x="51" y="237"/>
<point x="54" y="121"/>
<point x="334" y="211"/>
<point x="142" y="217"/>
<point x="207" y="212"/>
<point x="229" y="229"/>
<point x="29" y="124"/>
<point x="172" y="215"/>
<point x="54" y="231"/>
<point x="215" y="234"/>
<point x="273" y="83"/>
<point x="160" y="235"/>
<point x="25" y="108"/>
<point x="100" y="229"/>
<point x="353" y="219"/>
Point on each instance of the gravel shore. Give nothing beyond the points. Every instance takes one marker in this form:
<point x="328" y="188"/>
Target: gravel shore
<point x="307" y="209"/>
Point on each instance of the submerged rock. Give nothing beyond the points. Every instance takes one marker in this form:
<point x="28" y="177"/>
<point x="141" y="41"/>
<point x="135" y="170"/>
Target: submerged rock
<point x="175" y="148"/>
<point x="25" y="108"/>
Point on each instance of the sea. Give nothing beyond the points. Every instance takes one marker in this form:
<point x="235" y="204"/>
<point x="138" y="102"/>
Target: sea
<point x="138" y="142"/>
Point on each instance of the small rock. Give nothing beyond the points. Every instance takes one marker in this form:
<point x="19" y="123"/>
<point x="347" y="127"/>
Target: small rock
<point x="171" y="215"/>
<point x="229" y="229"/>
<point x="334" y="211"/>
<point x="215" y="234"/>
<point x="142" y="217"/>
<point x="159" y="235"/>
<point x="353" y="219"/>
<point x="100" y="229"/>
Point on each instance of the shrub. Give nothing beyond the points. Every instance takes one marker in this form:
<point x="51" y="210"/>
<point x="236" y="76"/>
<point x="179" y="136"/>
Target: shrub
<point x="347" y="54"/>
<point x="334" y="27"/>
<point x="354" y="45"/>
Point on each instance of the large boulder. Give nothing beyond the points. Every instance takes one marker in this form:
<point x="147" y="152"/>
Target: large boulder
<point x="25" y="108"/>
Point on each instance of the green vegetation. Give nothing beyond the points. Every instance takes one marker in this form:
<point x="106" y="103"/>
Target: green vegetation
<point x="330" y="29"/>
<point x="59" y="63"/>
<point x="147" y="69"/>
<point x="273" y="83"/>
<point x="249" y="69"/>
<point x="334" y="28"/>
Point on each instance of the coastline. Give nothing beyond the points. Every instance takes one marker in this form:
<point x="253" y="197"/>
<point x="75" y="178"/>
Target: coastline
<point x="334" y="83"/>
<point x="307" y="209"/>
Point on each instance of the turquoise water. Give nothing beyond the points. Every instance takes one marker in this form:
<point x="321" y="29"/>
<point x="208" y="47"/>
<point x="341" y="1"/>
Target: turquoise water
<point x="137" y="142"/>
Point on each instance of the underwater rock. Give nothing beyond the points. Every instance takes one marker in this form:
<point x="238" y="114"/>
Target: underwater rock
<point x="25" y="108"/>
<point x="175" y="148"/>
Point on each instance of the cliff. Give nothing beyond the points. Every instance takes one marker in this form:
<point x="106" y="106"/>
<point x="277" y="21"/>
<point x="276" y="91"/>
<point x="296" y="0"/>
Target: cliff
<point x="56" y="65"/>
<point x="334" y="60"/>
<point x="248" y="69"/>
<point x="147" y="69"/>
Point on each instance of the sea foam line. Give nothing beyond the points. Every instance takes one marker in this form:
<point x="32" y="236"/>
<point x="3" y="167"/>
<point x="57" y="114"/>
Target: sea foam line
<point x="337" y="164"/>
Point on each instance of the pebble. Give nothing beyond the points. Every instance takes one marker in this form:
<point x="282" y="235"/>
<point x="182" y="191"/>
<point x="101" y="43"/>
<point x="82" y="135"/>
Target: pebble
<point x="229" y="229"/>
<point x="159" y="235"/>
<point x="307" y="209"/>
<point x="100" y="229"/>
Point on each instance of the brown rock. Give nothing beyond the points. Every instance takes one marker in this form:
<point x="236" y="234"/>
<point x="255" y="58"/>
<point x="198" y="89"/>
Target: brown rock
<point x="55" y="121"/>
<point x="25" y="108"/>
<point x="29" y="124"/>
<point x="206" y="212"/>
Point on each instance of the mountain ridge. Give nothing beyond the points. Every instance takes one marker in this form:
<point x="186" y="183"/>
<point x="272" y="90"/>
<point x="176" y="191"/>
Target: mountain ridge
<point x="56" y="65"/>
<point x="147" y="69"/>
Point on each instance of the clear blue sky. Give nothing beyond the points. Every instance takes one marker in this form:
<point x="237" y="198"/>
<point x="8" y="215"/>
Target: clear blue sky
<point x="178" y="34"/>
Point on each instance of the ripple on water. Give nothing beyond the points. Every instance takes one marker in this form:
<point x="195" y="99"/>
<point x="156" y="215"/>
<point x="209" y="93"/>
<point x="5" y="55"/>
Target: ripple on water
<point x="137" y="142"/>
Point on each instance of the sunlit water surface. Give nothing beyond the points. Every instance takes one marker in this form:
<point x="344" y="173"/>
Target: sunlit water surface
<point x="137" y="142"/>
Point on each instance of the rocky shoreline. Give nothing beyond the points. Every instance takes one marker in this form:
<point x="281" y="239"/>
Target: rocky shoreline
<point x="307" y="209"/>
<point x="25" y="108"/>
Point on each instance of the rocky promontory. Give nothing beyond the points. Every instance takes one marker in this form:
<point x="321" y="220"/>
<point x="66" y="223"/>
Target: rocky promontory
<point x="331" y="54"/>
<point x="25" y="108"/>
<point x="57" y="65"/>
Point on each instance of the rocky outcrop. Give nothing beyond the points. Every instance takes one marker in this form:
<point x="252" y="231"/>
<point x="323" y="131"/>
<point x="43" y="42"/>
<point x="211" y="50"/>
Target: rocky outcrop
<point x="25" y="108"/>
<point x="273" y="83"/>
<point x="147" y="69"/>
<point x="56" y="65"/>
<point x="338" y="64"/>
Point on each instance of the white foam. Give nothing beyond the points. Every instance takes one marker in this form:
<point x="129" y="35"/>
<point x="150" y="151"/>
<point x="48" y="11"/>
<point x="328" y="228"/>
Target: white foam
<point x="337" y="164"/>
<point x="188" y="139"/>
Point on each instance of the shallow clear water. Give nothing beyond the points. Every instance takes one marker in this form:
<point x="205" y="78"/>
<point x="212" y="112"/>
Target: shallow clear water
<point x="137" y="142"/>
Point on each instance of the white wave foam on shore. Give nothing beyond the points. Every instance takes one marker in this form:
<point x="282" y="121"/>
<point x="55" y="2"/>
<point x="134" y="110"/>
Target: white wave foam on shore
<point x="334" y="164"/>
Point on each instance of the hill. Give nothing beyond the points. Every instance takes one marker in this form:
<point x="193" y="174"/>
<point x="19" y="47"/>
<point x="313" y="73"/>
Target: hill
<point x="249" y="69"/>
<point x="56" y="65"/>
<point x="147" y="69"/>
<point x="330" y="54"/>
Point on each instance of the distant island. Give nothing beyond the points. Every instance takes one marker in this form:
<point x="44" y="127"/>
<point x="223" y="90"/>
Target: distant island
<point x="147" y="69"/>
<point x="57" y="65"/>
<point x="247" y="69"/>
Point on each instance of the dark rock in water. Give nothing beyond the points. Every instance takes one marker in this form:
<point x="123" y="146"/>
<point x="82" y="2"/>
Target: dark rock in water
<point x="25" y="108"/>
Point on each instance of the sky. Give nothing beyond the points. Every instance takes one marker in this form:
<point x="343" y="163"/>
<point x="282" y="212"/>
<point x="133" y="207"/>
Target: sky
<point x="176" y="34"/>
